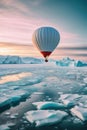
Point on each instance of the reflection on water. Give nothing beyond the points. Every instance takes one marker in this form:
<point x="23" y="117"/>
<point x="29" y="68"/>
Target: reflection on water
<point x="14" y="77"/>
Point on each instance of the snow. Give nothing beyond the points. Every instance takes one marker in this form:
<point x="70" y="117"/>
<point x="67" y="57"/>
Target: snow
<point x="45" y="117"/>
<point x="48" y="105"/>
<point x="30" y="60"/>
<point x="80" y="112"/>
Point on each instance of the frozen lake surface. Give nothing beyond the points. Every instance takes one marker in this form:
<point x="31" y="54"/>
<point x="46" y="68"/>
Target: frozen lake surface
<point x="43" y="96"/>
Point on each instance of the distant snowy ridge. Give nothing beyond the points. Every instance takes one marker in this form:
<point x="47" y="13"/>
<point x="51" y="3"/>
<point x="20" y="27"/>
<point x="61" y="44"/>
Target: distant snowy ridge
<point x="30" y="60"/>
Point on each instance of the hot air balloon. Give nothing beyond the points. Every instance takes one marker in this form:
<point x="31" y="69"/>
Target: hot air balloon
<point x="46" y="40"/>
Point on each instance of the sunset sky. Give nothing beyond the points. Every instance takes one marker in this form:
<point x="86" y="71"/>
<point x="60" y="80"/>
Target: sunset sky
<point x="19" y="19"/>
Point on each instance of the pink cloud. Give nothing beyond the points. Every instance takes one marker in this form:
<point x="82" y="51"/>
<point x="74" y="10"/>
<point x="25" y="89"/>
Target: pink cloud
<point x="21" y="27"/>
<point x="14" y="4"/>
<point x="68" y="35"/>
<point x="16" y="27"/>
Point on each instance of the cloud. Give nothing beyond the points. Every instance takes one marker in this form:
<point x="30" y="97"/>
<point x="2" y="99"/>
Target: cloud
<point x="17" y="27"/>
<point x="84" y="48"/>
<point x="18" y="21"/>
<point x="36" y="2"/>
<point x="68" y="35"/>
<point x="83" y="55"/>
<point x="14" y="5"/>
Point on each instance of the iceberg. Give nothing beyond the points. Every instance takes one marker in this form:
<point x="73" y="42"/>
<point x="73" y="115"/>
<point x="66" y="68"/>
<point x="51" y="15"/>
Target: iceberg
<point x="19" y="60"/>
<point x="45" y="117"/>
<point x="2" y="59"/>
<point x="31" y="60"/>
<point x="70" y="62"/>
<point x="67" y="62"/>
<point x="49" y="105"/>
<point x="10" y="60"/>
<point x="70" y="100"/>
<point x="80" y="112"/>
<point x="80" y="63"/>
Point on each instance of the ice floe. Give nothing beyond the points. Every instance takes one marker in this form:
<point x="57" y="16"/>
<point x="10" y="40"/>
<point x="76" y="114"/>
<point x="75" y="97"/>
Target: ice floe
<point x="80" y="112"/>
<point x="70" y="100"/>
<point x="48" y="87"/>
<point x="14" y="116"/>
<point x="6" y="126"/>
<point x="49" y="105"/>
<point x="85" y="80"/>
<point x="4" y="101"/>
<point x="12" y="98"/>
<point x="45" y="117"/>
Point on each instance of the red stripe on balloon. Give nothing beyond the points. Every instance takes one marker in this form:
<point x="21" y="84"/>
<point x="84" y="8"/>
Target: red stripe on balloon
<point x="45" y="53"/>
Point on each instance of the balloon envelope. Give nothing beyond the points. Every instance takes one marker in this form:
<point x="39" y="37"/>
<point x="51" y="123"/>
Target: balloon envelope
<point x="46" y="40"/>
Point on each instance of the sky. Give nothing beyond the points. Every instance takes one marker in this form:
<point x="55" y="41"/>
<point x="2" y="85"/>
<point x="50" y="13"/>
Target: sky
<point x="19" y="19"/>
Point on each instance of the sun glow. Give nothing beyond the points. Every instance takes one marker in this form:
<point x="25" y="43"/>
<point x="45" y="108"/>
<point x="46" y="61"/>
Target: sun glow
<point x="4" y="50"/>
<point x="14" y="77"/>
<point x="21" y="50"/>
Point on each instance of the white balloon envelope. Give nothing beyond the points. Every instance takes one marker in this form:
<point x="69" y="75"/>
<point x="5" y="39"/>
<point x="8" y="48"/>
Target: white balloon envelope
<point x="46" y="40"/>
